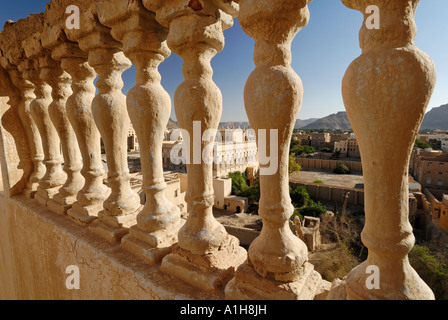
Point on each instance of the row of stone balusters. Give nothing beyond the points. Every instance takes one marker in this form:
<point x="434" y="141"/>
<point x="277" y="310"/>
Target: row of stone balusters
<point x="54" y="67"/>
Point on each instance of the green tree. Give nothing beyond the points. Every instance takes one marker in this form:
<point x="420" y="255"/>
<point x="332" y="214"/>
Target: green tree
<point x="342" y="169"/>
<point x="239" y="183"/>
<point x="308" y="149"/>
<point x="432" y="268"/>
<point x="297" y="149"/>
<point x="242" y="189"/>
<point x="313" y="209"/>
<point x="299" y="196"/>
<point x="421" y="144"/>
<point x="293" y="165"/>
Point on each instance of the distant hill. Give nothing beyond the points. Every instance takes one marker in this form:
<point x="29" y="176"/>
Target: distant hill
<point x="303" y="123"/>
<point x="436" y="118"/>
<point x="337" y="121"/>
<point x="299" y="124"/>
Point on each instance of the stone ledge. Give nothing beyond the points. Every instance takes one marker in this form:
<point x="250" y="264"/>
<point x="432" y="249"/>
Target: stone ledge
<point x="37" y="246"/>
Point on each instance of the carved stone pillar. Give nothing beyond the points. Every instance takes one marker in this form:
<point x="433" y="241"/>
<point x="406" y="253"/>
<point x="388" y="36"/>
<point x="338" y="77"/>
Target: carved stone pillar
<point x="386" y="91"/>
<point x="111" y="117"/>
<point x="60" y="82"/>
<point x="91" y="197"/>
<point x="277" y="266"/>
<point x="54" y="177"/>
<point x="63" y="42"/>
<point x="16" y="161"/>
<point x="206" y="255"/>
<point x="149" y="107"/>
<point x="13" y="55"/>
<point x="32" y="132"/>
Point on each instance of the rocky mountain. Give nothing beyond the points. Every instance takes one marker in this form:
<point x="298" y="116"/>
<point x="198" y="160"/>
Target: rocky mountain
<point x="304" y="123"/>
<point x="333" y="122"/>
<point x="436" y="118"/>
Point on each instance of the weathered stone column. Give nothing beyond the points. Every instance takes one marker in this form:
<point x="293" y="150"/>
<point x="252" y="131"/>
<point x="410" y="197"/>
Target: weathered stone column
<point x="13" y="54"/>
<point x="91" y="197"/>
<point x="41" y="62"/>
<point x="15" y="159"/>
<point x="386" y="91"/>
<point x="63" y="42"/>
<point x="111" y="117"/>
<point x="277" y="266"/>
<point x="61" y="82"/>
<point x="206" y="255"/>
<point x="32" y="132"/>
<point x="149" y="107"/>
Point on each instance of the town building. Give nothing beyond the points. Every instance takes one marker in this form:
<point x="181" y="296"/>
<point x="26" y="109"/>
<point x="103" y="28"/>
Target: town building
<point x="348" y="148"/>
<point x="338" y="137"/>
<point x="430" y="168"/>
<point x="237" y="151"/>
<point x="320" y="141"/>
<point x="437" y="140"/>
<point x="133" y="145"/>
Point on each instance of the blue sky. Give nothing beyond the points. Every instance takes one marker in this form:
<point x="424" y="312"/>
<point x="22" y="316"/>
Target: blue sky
<point x="321" y="54"/>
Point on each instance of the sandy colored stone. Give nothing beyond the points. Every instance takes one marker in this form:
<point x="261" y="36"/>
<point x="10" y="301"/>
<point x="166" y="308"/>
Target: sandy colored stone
<point x="273" y="98"/>
<point x="149" y="107"/>
<point x="45" y="70"/>
<point x="386" y="91"/>
<point x="52" y="38"/>
<point x="110" y="116"/>
<point x="196" y="35"/>
<point x="106" y="272"/>
<point x="13" y="56"/>
<point x="248" y="283"/>
<point x="65" y="48"/>
<point x="16" y="161"/>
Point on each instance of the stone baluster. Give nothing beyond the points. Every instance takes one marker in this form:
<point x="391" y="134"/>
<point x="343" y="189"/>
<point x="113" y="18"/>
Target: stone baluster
<point x="111" y="117"/>
<point x="61" y="82"/>
<point x="32" y="132"/>
<point x="386" y="91"/>
<point x="63" y="43"/>
<point x="41" y="62"/>
<point x="149" y="107"/>
<point x="13" y="56"/>
<point x="206" y="255"/>
<point x="16" y="161"/>
<point x="277" y="266"/>
<point x="91" y="197"/>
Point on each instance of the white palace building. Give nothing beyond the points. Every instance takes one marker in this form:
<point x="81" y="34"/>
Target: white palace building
<point x="234" y="150"/>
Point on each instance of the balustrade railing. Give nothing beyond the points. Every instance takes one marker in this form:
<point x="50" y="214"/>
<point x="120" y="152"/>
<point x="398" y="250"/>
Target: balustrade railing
<point x="59" y="118"/>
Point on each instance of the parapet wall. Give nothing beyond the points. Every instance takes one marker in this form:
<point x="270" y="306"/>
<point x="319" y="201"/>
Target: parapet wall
<point x="37" y="246"/>
<point x="332" y="193"/>
<point x="323" y="164"/>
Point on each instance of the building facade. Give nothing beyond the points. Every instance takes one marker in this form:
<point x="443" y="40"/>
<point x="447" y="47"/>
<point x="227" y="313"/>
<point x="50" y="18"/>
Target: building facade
<point x="348" y="148"/>
<point x="237" y="151"/>
<point x="430" y="168"/>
